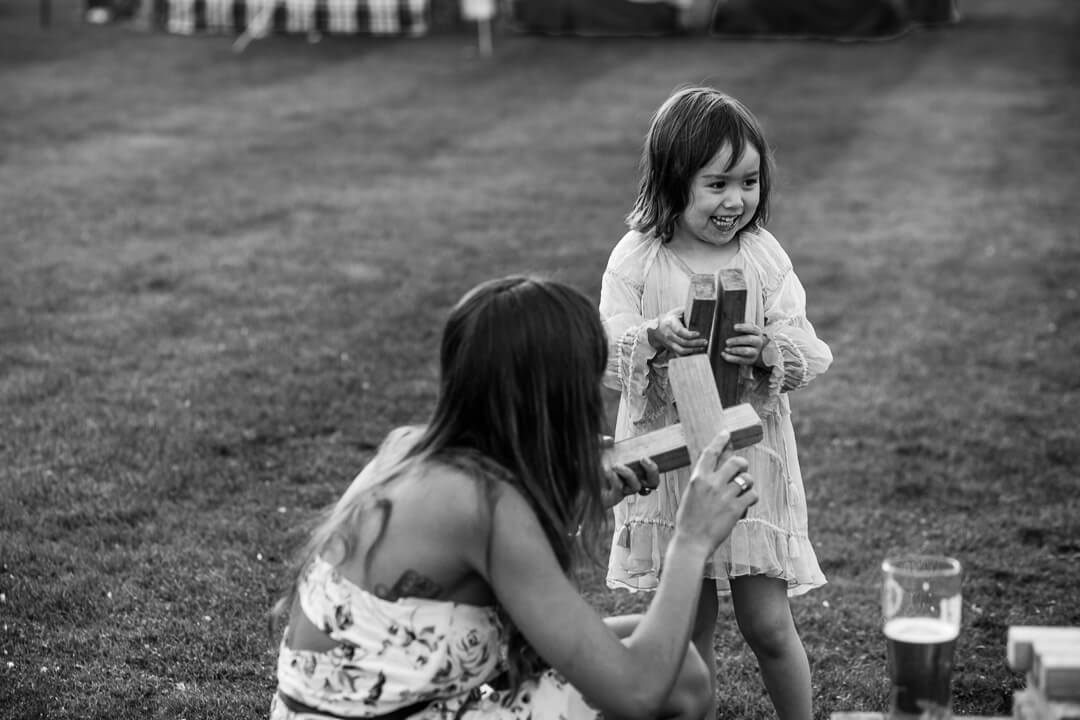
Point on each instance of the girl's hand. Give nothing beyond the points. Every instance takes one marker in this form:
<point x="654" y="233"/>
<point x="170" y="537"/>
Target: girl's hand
<point x="672" y="335"/>
<point x="620" y="481"/>
<point x="745" y="349"/>
<point x="718" y="494"/>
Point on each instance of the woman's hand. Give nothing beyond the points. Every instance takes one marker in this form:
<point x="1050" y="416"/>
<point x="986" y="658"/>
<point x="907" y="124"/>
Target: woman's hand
<point x="718" y="494"/>
<point x="672" y="335"/>
<point x="745" y="349"/>
<point x="621" y="481"/>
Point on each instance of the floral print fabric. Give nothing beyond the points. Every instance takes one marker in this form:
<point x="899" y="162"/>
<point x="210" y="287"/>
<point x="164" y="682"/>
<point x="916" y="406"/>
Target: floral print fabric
<point x="394" y="655"/>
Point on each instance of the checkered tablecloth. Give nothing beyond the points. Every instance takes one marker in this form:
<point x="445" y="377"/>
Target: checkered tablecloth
<point x="345" y="17"/>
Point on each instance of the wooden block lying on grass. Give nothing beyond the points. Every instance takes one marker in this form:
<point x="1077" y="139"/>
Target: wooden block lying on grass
<point x="1030" y="704"/>
<point x="1022" y="638"/>
<point x="667" y="446"/>
<point x="1056" y="671"/>
<point x="883" y="716"/>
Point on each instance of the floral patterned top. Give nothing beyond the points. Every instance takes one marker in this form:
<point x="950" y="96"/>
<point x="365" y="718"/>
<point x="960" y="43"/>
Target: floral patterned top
<point x="414" y="657"/>
<point x="392" y="654"/>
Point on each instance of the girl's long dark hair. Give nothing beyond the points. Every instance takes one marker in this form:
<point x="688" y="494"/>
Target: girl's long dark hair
<point x="519" y="400"/>
<point x="685" y="134"/>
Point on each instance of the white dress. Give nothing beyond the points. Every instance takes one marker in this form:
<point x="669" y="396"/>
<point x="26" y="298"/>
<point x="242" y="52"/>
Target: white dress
<point x="644" y="279"/>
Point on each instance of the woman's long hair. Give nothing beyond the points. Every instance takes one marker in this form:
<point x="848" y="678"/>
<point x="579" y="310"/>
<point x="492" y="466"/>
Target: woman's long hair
<point x="521" y="363"/>
<point x="520" y="402"/>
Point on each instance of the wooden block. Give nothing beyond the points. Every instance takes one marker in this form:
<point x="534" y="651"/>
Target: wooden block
<point x="667" y="446"/>
<point x="883" y="716"/>
<point x="1056" y="670"/>
<point x="701" y="302"/>
<point x="1022" y="707"/>
<point x="1030" y="704"/>
<point x="1021" y="639"/>
<point x="700" y="412"/>
<point x="731" y="291"/>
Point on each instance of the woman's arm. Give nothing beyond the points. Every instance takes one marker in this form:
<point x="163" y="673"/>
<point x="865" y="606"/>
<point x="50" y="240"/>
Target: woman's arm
<point x="631" y="678"/>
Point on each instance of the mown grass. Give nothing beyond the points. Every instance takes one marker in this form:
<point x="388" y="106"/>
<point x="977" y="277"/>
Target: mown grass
<point x="223" y="276"/>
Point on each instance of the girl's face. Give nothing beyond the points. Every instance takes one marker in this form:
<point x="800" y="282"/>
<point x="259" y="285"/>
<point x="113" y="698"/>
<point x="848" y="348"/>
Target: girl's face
<point x="722" y="202"/>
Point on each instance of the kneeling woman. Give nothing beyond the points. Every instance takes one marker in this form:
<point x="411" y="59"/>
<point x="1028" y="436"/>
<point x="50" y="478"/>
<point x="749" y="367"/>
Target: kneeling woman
<point x="440" y="584"/>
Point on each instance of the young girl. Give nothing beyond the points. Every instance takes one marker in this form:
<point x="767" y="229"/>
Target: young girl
<point x="701" y="206"/>
<point x="439" y="588"/>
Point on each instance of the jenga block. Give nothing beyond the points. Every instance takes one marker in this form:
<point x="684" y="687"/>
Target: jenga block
<point x="701" y="302"/>
<point x="667" y="446"/>
<point x="1030" y="704"/>
<point x="700" y="412"/>
<point x="731" y="290"/>
<point x="884" y="716"/>
<point x="1022" y="707"/>
<point x="1021" y="638"/>
<point x="744" y="424"/>
<point x="1056" y="670"/>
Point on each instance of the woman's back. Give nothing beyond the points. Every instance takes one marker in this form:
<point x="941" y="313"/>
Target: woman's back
<point x="418" y="531"/>
<point x="399" y="615"/>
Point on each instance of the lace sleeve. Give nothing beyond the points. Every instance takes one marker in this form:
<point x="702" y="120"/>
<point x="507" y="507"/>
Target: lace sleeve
<point x="797" y="348"/>
<point x="635" y="368"/>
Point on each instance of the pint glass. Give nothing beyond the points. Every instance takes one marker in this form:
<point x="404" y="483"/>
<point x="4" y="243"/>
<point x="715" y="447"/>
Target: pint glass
<point x="920" y="602"/>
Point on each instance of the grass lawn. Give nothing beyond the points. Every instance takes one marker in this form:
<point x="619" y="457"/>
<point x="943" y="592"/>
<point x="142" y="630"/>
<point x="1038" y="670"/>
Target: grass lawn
<point x="222" y="278"/>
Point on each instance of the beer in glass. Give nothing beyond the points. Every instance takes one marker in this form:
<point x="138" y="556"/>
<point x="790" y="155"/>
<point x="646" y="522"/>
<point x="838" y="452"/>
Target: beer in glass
<point x="920" y="603"/>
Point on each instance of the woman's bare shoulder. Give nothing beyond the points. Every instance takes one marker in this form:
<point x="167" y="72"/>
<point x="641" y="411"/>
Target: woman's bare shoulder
<point x="433" y="522"/>
<point x="449" y="501"/>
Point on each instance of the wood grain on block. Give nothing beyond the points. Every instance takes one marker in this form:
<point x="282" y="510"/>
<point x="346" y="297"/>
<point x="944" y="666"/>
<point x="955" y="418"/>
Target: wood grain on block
<point x="744" y="424"/>
<point x="1030" y="704"/>
<point x="1056" y="669"/>
<point x="883" y="716"/>
<point x="1021" y="638"/>
<point x="700" y="412"/>
<point x="701" y="303"/>
<point x="667" y="446"/>
<point x="731" y="309"/>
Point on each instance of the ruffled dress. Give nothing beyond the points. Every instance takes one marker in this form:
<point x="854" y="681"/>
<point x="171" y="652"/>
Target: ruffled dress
<point x="644" y="279"/>
<point x="413" y="658"/>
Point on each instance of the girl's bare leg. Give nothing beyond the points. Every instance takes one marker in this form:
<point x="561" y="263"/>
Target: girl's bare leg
<point x="764" y="616"/>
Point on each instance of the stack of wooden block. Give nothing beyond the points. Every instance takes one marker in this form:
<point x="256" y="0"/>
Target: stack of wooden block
<point x="1050" y="658"/>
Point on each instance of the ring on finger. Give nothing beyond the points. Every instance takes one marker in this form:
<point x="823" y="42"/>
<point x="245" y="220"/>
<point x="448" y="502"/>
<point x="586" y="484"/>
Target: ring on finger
<point x="738" y="480"/>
